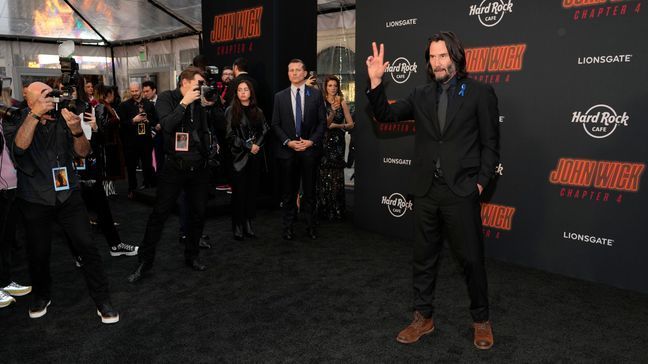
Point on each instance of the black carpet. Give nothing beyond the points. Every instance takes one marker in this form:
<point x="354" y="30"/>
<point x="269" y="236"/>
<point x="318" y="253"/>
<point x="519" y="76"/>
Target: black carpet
<point x="341" y="298"/>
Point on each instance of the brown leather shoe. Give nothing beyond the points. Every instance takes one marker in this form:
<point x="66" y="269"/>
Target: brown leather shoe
<point x="420" y="326"/>
<point x="483" y="335"/>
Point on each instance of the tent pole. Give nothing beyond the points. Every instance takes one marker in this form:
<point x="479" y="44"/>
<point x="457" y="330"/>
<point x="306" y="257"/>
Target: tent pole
<point x="112" y="58"/>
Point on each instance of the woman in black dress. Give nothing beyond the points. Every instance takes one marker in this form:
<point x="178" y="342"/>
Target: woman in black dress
<point x="330" y="187"/>
<point x="246" y="130"/>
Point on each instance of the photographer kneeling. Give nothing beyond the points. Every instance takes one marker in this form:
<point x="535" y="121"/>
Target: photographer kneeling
<point x="43" y="149"/>
<point x="188" y="146"/>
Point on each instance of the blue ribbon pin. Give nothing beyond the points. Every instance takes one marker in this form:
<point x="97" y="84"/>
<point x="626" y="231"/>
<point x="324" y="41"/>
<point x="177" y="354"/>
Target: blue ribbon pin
<point x="462" y="91"/>
<point x="307" y="92"/>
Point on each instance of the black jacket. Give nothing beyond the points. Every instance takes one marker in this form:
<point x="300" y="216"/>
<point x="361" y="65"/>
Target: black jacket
<point x="241" y="138"/>
<point x="127" y="110"/>
<point x="469" y="144"/>
<point x="174" y="118"/>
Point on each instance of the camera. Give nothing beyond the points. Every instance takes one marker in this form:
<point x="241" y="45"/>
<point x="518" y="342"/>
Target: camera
<point x="8" y="112"/>
<point x="207" y="92"/>
<point x="69" y="78"/>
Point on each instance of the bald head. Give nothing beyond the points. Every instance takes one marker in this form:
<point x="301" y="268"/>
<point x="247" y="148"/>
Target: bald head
<point x="34" y="92"/>
<point x="135" y="90"/>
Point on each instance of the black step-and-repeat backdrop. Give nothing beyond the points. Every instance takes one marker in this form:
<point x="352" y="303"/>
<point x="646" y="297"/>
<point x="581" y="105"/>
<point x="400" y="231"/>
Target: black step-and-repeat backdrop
<point x="570" y="195"/>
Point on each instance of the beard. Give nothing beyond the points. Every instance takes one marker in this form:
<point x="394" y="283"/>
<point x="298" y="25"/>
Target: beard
<point x="447" y="75"/>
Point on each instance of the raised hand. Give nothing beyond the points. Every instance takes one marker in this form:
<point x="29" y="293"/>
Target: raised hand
<point x="376" y="65"/>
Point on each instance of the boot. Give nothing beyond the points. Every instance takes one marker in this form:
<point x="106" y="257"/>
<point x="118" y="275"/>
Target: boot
<point x="248" y="229"/>
<point x="237" y="229"/>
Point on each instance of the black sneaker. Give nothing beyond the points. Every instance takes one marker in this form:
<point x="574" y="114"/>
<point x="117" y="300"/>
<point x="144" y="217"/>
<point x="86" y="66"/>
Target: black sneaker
<point x="124" y="249"/>
<point x="107" y="313"/>
<point x="38" y="307"/>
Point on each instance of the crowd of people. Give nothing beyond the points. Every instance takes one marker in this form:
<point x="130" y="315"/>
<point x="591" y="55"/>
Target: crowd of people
<point x="61" y="158"/>
<point x="55" y="163"/>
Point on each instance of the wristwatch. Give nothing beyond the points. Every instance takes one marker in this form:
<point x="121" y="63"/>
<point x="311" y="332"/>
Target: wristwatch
<point x="38" y="118"/>
<point x="183" y="105"/>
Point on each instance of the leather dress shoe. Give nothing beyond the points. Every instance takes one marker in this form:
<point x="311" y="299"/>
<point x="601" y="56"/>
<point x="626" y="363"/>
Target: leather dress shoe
<point x="419" y="327"/>
<point x="139" y="272"/>
<point x="311" y="233"/>
<point x="204" y="244"/>
<point x="237" y="230"/>
<point x="195" y="264"/>
<point x="483" y="335"/>
<point x="288" y="234"/>
<point x="247" y="229"/>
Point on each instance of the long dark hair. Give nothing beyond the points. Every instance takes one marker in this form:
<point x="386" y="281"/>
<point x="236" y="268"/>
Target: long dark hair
<point x="237" y="107"/>
<point x="455" y="50"/>
<point x="81" y="94"/>
<point x="337" y="83"/>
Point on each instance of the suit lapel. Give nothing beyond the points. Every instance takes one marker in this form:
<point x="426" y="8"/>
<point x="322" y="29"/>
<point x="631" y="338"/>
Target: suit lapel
<point x="307" y="98"/>
<point x="457" y="100"/>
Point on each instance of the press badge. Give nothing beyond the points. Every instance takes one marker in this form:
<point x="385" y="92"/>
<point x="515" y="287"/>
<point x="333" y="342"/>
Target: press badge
<point x="141" y="129"/>
<point x="61" y="180"/>
<point x="181" y="142"/>
<point x="80" y="164"/>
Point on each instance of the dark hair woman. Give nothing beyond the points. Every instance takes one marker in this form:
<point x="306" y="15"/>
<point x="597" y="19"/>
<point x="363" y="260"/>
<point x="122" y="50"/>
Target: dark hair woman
<point x="246" y="130"/>
<point x="330" y="187"/>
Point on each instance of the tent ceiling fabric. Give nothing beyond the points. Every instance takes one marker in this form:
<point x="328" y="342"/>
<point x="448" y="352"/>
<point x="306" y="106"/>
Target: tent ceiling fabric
<point x="118" y="21"/>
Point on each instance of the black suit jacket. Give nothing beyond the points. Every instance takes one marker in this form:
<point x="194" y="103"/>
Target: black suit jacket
<point x="313" y="123"/>
<point x="127" y="110"/>
<point x="469" y="144"/>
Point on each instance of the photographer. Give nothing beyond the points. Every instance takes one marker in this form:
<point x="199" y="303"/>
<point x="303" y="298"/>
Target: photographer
<point x="8" y="184"/>
<point x="186" y="167"/>
<point x="43" y="150"/>
<point x="137" y="117"/>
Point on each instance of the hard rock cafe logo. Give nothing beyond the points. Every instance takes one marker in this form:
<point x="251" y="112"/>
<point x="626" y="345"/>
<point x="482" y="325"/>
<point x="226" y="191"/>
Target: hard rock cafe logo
<point x="599" y="181"/>
<point x="397" y="204"/>
<point x="495" y="64"/>
<point x="401" y="69"/>
<point x="496" y="219"/>
<point x="234" y="31"/>
<point x="600" y="121"/>
<point x="594" y="9"/>
<point x="491" y="13"/>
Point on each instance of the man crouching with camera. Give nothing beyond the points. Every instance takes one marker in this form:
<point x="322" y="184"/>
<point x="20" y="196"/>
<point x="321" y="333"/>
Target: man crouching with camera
<point x="43" y="150"/>
<point x="188" y="147"/>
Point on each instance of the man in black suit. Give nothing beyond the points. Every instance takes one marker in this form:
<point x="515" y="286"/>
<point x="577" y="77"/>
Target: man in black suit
<point x="298" y="121"/>
<point x="456" y="150"/>
<point x="137" y="116"/>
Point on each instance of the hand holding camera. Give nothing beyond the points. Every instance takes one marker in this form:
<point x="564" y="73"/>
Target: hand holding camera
<point x="191" y="96"/>
<point x="42" y="106"/>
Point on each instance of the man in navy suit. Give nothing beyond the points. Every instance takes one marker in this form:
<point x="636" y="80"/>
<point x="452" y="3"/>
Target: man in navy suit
<point x="455" y="153"/>
<point x="298" y="121"/>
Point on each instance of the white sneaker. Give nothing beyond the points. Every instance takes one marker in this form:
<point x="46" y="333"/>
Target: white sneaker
<point x="124" y="249"/>
<point x="5" y="299"/>
<point x="16" y="289"/>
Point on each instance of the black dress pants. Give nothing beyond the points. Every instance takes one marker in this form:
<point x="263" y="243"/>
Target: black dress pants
<point x="73" y="218"/>
<point x="95" y="198"/>
<point x="245" y="190"/>
<point x="140" y="149"/>
<point x="7" y="233"/>
<point x="442" y="213"/>
<point x="174" y="177"/>
<point x="299" y="168"/>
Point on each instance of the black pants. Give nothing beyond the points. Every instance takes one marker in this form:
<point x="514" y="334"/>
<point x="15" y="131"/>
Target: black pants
<point x="442" y="213"/>
<point x="139" y="150"/>
<point x="7" y="233"/>
<point x="174" y="177"/>
<point x="94" y="197"/>
<point x="73" y="218"/>
<point x="245" y="190"/>
<point x="300" y="168"/>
